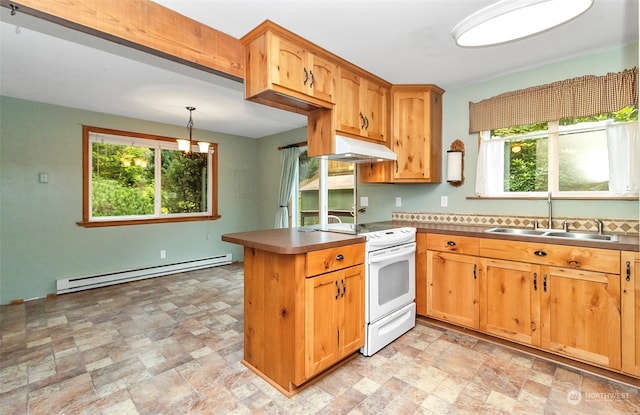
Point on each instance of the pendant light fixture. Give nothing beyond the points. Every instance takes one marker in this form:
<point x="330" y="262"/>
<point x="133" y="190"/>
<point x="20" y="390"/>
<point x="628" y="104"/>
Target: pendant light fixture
<point x="186" y="145"/>
<point x="509" y="20"/>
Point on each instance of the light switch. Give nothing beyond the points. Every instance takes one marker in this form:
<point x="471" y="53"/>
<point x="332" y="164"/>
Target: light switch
<point x="364" y="201"/>
<point x="398" y="201"/>
<point x="444" y="201"/>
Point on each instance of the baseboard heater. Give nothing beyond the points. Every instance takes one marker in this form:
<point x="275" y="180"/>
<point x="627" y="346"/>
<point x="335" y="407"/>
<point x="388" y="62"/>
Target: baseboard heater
<point x="68" y="285"/>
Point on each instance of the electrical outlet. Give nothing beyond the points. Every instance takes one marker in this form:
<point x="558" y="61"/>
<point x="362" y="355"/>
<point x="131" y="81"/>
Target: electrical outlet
<point x="444" y="201"/>
<point x="163" y="254"/>
<point x="364" y="201"/>
<point x="398" y="201"/>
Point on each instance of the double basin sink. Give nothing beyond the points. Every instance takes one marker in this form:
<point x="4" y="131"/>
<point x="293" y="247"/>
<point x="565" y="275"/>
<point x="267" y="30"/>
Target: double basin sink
<point x="554" y="233"/>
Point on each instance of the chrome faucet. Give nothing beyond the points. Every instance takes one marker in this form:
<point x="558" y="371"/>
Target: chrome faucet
<point x="600" y="225"/>
<point x="549" y="202"/>
<point x="565" y="226"/>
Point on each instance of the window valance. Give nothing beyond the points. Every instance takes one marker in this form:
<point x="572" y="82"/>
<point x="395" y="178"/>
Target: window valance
<point x="577" y="97"/>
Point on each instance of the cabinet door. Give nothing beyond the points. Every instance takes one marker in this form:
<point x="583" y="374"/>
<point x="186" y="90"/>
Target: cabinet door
<point x="581" y="315"/>
<point x="323" y="74"/>
<point x="348" y="112"/>
<point x="352" y="319"/>
<point x="631" y="313"/>
<point x="409" y="141"/>
<point x="452" y="288"/>
<point x="289" y="68"/>
<point x="375" y="110"/>
<point x="321" y="322"/>
<point x="510" y="301"/>
<point x="334" y="317"/>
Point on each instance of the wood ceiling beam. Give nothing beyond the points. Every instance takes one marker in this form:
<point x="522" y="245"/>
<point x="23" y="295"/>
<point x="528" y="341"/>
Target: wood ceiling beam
<point x="146" y="26"/>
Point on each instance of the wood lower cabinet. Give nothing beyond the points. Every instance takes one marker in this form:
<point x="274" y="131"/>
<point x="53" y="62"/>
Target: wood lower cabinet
<point x="630" y="282"/>
<point x="581" y="315"/>
<point x="572" y="301"/>
<point x="510" y="301"/>
<point x="452" y="279"/>
<point x="294" y="326"/>
<point x="453" y="288"/>
<point x="334" y="317"/>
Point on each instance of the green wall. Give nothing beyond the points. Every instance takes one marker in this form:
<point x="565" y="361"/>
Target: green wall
<point x="39" y="239"/>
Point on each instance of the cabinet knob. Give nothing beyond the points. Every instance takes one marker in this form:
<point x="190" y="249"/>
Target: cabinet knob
<point x="540" y="253"/>
<point x="451" y="243"/>
<point x="339" y="257"/>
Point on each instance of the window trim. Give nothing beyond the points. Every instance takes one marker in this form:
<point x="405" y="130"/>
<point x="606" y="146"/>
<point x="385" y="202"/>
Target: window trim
<point x="86" y="183"/>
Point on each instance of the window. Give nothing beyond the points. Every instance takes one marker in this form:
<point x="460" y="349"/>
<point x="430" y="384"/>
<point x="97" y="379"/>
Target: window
<point x="570" y="157"/>
<point x="340" y="191"/>
<point x="132" y="178"/>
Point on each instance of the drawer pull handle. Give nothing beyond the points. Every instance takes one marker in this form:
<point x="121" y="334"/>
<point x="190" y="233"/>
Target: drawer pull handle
<point x="338" y="288"/>
<point x="544" y="283"/>
<point x="540" y="253"/>
<point x="475" y="274"/>
<point x="313" y="79"/>
<point x="306" y="76"/>
<point x="451" y="243"/>
<point x="628" y="271"/>
<point x="535" y="281"/>
<point x="344" y="289"/>
<point x="339" y="257"/>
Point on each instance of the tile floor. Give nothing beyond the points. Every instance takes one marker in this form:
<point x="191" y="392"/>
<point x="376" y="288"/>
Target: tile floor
<point x="173" y="345"/>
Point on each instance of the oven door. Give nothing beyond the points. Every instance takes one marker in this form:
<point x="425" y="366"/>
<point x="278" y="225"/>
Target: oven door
<point x="391" y="280"/>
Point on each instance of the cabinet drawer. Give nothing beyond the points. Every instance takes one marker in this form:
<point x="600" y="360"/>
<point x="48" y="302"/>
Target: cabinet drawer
<point x="331" y="259"/>
<point x="451" y="243"/>
<point x="591" y="259"/>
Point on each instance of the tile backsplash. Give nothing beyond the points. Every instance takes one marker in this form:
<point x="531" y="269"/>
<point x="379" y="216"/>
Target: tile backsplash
<point x="622" y="226"/>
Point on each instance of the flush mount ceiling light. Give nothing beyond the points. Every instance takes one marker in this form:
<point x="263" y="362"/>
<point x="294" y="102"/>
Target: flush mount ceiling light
<point x="509" y="20"/>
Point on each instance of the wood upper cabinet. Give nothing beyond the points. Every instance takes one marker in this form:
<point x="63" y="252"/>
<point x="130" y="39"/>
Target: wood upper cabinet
<point x="285" y="71"/>
<point x="581" y="315"/>
<point x="334" y="317"/>
<point x="630" y="282"/>
<point x="362" y="106"/>
<point x="416" y="138"/>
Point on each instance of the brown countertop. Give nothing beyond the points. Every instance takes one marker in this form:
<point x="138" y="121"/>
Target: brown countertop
<point x="625" y="243"/>
<point x="301" y="240"/>
<point x="291" y="240"/>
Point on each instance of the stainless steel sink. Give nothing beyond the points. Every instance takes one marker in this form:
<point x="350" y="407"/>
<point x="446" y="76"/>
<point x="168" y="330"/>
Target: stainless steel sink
<point x="550" y="233"/>
<point x="583" y="236"/>
<point x="516" y="231"/>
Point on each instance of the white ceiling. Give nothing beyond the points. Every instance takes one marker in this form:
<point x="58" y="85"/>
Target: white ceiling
<point x="402" y="41"/>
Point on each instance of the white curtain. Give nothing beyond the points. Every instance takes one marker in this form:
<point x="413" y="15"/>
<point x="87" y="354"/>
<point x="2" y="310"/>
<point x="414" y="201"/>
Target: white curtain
<point x="490" y="169"/>
<point x="288" y="166"/>
<point x="624" y="158"/>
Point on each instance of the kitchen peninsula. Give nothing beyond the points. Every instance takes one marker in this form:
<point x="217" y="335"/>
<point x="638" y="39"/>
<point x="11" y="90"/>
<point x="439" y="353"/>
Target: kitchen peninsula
<point x="295" y="325"/>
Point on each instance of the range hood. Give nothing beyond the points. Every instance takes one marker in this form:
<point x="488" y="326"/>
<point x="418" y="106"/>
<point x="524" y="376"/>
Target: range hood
<point x="357" y="151"/>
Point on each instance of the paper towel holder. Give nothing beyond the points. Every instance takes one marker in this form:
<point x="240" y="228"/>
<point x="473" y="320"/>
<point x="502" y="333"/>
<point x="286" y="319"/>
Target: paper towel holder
<point x="455" y="164"/>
